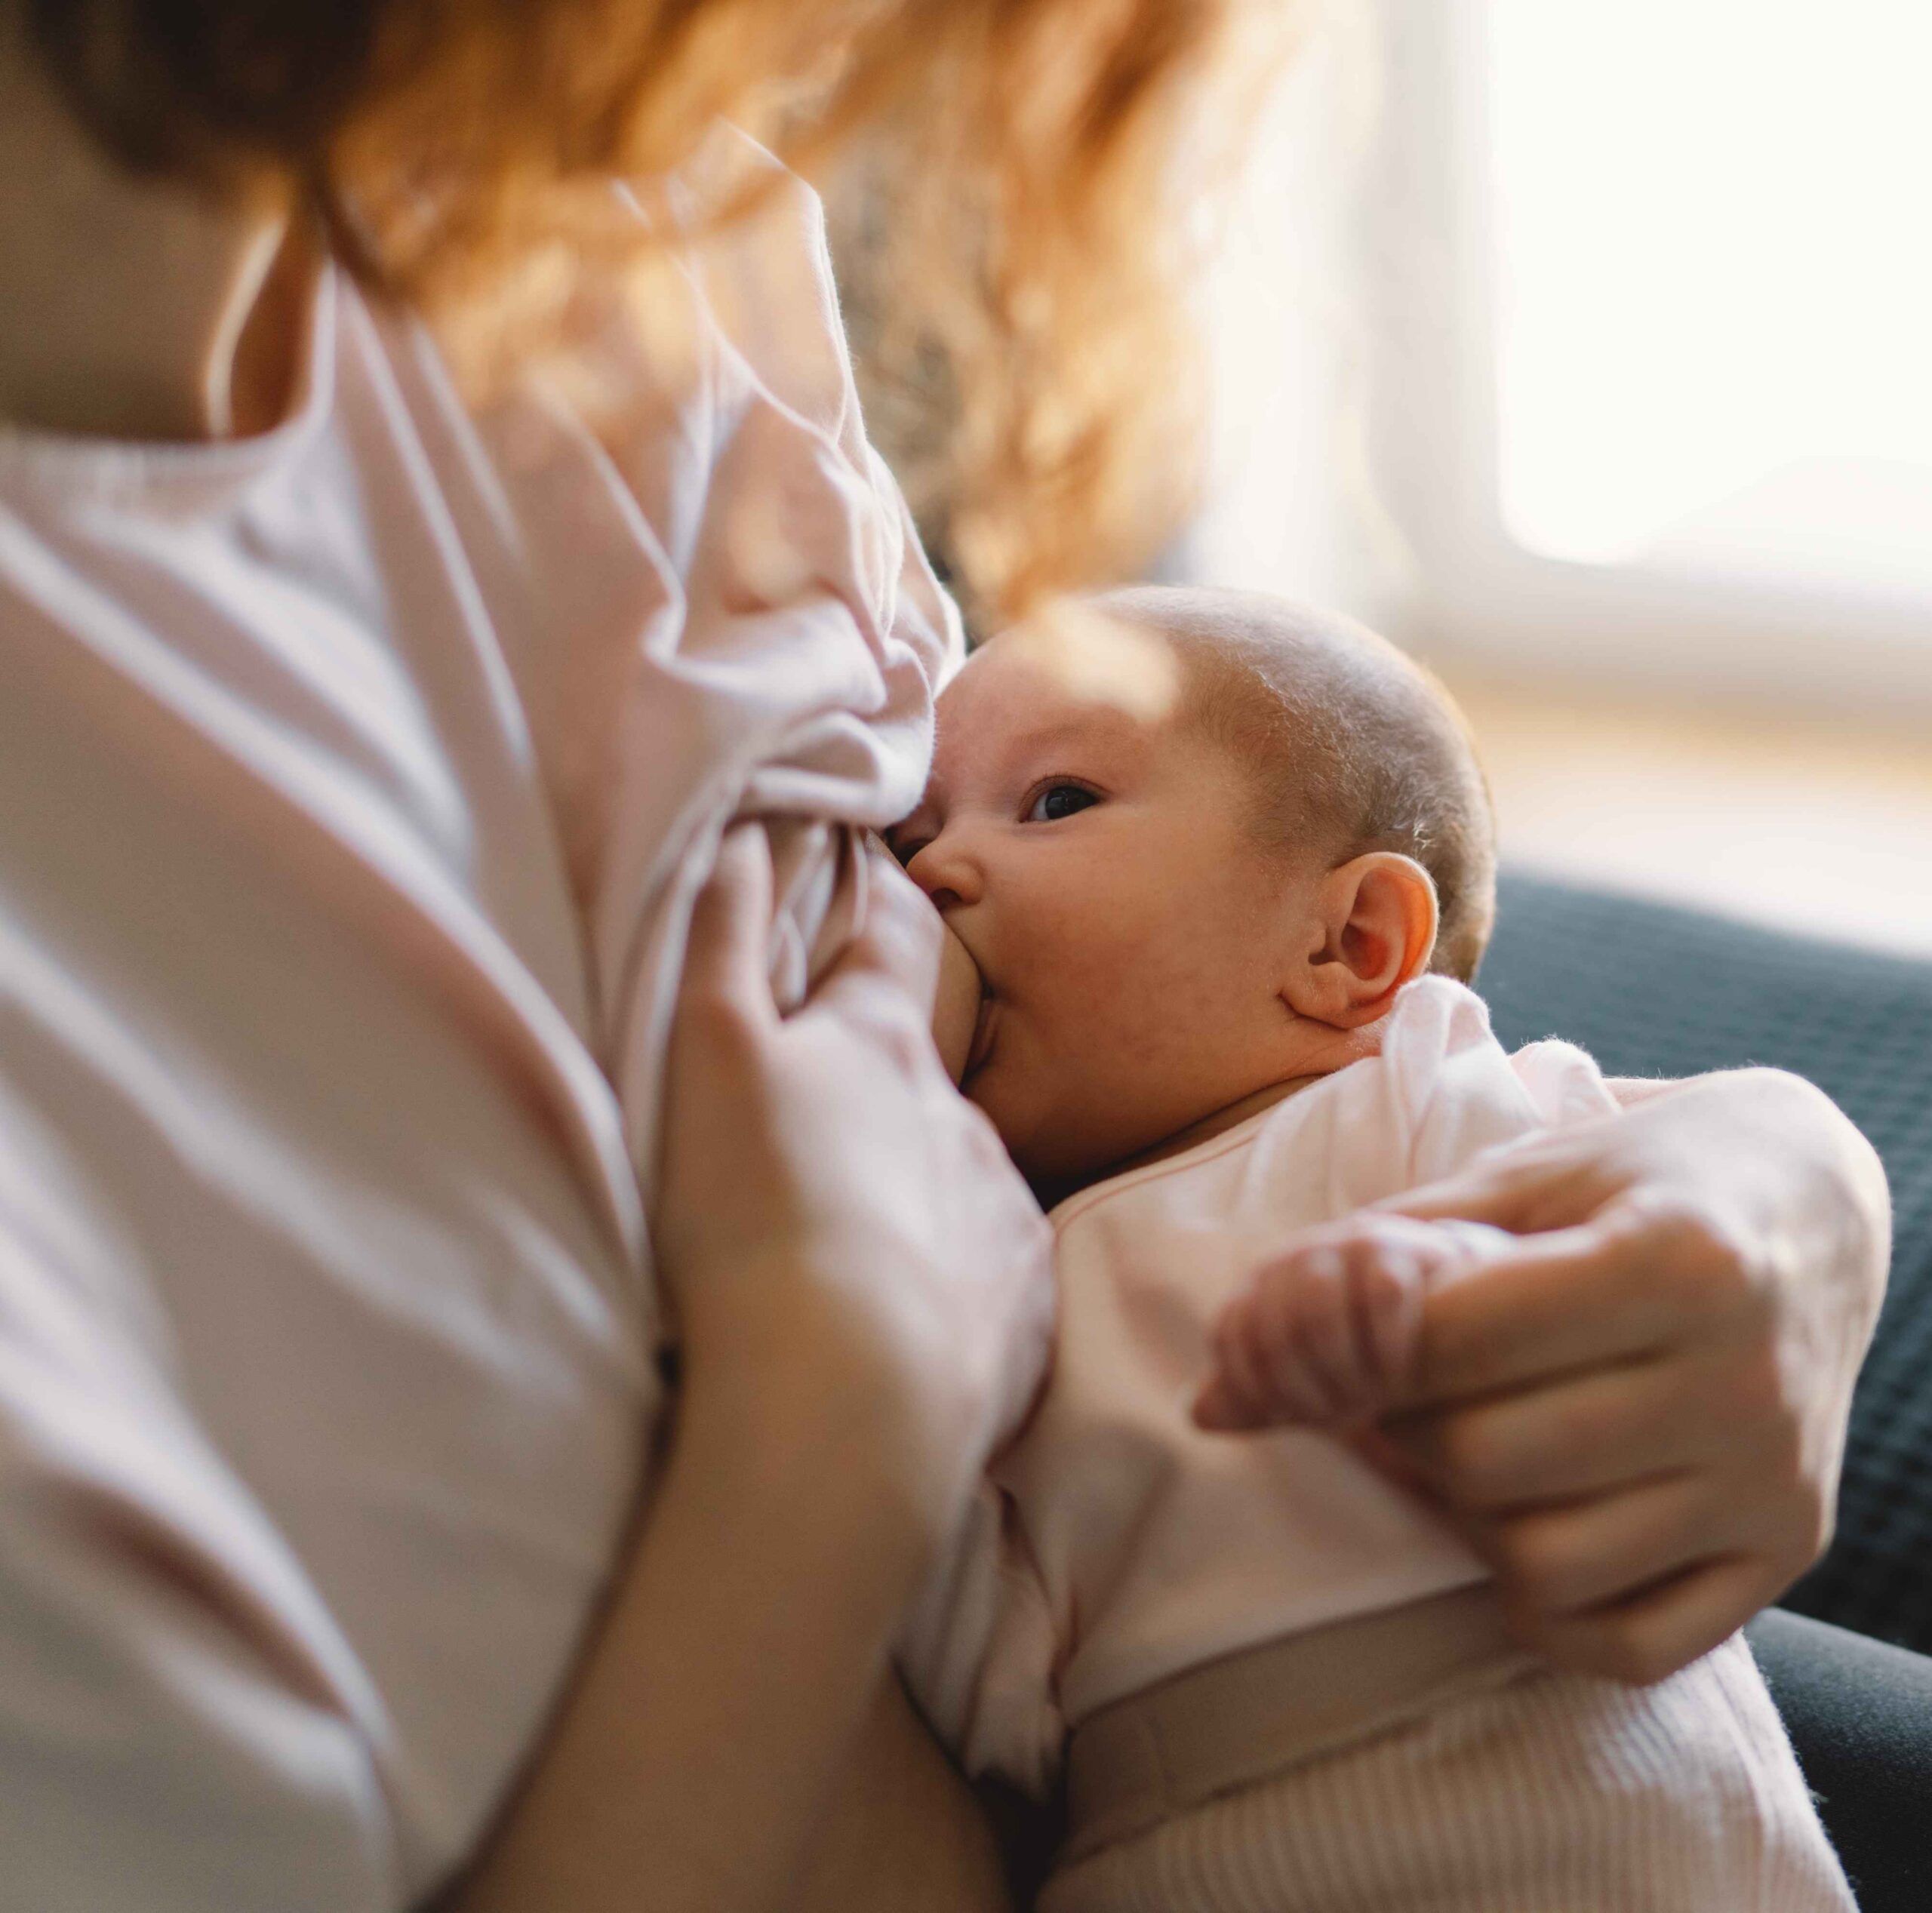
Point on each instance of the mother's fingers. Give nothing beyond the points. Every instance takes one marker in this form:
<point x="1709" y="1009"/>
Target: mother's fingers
<point x="727" y="960"/>
<point x="1648" y="1635"/>
<point x="1534" y="1188"/>
<point x="899" y="943"/>
<point x="1578" y="1555"/>
<point x="1610" y="1290"/>
<point x="1586" y="1431"/>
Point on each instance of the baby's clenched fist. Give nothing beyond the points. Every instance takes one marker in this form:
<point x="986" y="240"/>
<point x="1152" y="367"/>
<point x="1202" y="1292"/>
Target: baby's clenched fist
<point x="1329" y="1333"/>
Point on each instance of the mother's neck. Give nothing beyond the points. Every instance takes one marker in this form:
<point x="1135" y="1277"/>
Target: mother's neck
<point x="130" y="308"/>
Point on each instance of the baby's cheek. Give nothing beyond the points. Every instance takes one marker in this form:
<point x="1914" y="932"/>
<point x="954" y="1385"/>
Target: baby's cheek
<point x="1074" y="1071"/>
<point x="1037" y="1113"/>
<point x="1016" y="1096"/>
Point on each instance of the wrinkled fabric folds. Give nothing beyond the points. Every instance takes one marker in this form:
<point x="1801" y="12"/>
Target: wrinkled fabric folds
<point x="355" y="783"/>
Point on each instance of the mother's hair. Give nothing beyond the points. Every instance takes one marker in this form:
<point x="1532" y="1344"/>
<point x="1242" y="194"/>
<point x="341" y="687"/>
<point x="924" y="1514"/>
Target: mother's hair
<point x="1028" y="217"/>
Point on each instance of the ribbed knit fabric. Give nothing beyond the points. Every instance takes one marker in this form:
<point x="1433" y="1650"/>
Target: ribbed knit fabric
<point x="1555" y="1793"/>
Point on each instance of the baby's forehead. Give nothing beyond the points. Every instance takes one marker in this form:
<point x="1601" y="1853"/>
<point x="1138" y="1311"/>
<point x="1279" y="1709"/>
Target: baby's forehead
<point x="1112" y="675"/>
<point x="1030" y="684"/>
<point x="1262" y="673"/>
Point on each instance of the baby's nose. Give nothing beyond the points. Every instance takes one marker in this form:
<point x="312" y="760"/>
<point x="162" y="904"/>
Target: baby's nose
<point x="945" y="872"/>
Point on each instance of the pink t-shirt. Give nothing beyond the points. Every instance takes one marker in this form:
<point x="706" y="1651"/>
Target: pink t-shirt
<point x="1116" y="1543"/>
<point x="355" y="781"/>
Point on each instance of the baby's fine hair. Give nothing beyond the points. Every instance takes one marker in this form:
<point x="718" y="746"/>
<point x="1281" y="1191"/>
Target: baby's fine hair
<point x="1341" y="728"/>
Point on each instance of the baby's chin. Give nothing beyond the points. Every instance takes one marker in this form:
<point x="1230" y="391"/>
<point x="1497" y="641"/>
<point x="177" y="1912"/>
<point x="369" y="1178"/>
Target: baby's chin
<point x="1058" y="1149"/>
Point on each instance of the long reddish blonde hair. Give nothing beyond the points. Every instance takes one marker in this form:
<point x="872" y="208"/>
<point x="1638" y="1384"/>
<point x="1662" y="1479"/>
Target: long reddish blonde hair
<point x="1029" y="170"/>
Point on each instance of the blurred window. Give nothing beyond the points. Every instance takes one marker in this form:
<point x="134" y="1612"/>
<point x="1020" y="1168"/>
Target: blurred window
<point x="1712" y="289"/>
<point x="1647" y="294"/>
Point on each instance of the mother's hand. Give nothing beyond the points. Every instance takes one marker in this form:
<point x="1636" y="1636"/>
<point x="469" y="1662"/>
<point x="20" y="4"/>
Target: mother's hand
<point x="838" y="1228"/>
<point x="1638" y="1417"/>
<point x="862" y="1287"/>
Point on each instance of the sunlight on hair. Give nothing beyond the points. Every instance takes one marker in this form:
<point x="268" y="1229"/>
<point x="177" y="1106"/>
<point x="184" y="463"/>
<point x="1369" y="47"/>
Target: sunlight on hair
<point x="1099" y="657"/>
<point x="1027" y="178"/>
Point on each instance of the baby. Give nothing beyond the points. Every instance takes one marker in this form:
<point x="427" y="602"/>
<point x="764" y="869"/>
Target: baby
<point x="1226" y="869"/>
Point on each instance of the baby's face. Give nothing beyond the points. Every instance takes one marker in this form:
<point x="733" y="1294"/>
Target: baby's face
<point x="1094" y="857"/>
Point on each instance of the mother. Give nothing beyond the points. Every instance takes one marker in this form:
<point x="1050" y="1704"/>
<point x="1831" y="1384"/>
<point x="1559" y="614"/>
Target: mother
<point x="414" y="555"/>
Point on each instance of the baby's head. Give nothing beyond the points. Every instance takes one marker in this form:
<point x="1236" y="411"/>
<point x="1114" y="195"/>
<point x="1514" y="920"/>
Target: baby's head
<point x="1195" y="840"/>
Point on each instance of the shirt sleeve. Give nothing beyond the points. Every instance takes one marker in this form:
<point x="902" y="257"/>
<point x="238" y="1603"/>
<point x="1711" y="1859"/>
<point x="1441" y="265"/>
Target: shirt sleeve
<point x="1445" y="1090"/>
<point x="980" y="1653"/>
<point x="1564" y="1082"/>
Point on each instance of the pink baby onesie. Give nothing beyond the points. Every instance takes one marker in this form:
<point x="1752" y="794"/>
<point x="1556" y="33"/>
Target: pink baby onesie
<point x="1116" y="1547"/>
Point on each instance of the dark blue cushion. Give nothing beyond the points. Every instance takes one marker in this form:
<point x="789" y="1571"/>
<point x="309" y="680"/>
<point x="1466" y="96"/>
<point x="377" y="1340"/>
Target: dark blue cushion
<point x="1649" y="989"/>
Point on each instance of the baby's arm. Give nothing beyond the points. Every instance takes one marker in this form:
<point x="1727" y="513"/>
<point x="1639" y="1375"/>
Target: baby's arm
<point x="1328" y="1332"/>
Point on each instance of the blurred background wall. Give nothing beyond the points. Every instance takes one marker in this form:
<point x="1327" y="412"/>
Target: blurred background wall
<point x="1583" y="349"/>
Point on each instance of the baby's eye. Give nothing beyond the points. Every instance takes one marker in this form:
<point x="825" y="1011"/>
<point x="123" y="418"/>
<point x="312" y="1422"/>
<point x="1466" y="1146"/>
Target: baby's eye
<point x="1059" y="800"/>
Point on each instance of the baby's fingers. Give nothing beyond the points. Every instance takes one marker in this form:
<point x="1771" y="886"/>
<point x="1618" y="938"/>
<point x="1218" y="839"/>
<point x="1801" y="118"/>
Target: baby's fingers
<point x="1389" y="1283"/>
<point x="1329" y="1321"/>
<point x="1237" y="1394"/>
<point x="1329" y="1332"/>
<point x="1274" y="1350"/>
<point x="1221" y="1408"/>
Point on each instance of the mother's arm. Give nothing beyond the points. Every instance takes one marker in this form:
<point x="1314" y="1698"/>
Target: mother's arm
<point x="903" y="1830"/>
<point x="732" y="1738"/>
<point x="1638" y="1417"/>
<point x="862" y="1287"/>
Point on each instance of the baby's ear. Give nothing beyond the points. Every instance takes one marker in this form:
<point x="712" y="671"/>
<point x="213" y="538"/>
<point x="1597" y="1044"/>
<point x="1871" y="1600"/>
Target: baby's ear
<point x="1373" y="930"/>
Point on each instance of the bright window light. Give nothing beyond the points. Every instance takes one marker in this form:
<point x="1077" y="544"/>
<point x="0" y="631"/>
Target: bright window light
<point x="1713" y="283"/>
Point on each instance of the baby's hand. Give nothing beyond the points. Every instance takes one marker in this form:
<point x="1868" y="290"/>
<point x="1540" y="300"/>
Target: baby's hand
<point x="1328" y="1334"/>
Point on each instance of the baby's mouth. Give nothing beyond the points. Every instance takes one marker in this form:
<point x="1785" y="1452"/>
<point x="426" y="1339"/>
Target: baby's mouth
<point x="982" y="1038"/>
